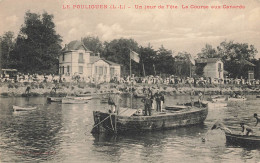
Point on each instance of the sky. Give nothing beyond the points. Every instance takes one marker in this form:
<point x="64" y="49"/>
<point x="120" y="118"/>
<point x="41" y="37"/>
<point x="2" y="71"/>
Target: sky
<point x="182" y="29"/>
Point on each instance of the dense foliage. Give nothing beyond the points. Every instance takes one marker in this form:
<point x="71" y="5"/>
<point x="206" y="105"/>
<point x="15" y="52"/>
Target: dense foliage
<point x="37" y="46"/>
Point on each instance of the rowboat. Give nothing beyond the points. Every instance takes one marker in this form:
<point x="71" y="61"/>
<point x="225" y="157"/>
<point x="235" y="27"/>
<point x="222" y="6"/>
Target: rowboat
<point x="54" y="99"/>
<point x="25" y="108"/>
<point x="243" y="140"/>
<point x="129" y="121"/>
<point x="215" y="105"/>
<point x="80" y="98"/>
<point x="73" y="101"/>
<point x="236" y="99"/>
<point x="218" y="99"/>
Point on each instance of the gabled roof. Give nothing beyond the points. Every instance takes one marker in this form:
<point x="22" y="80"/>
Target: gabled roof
<point x="245" y="62"/>
<point x="109" y="62"/>
<point x="207" y="60"/>
<point x="74" y="45"/>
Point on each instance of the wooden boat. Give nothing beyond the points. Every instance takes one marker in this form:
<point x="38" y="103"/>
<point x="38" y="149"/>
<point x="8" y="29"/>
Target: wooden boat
<point x="128" y="120"/>
<point x="80" y="98"/>
<point x="73" y="101"/>
<point x="236" y="99"/>
<point x="25" y="108"/>
<point x="54" y="99"/>
<point x="218" y="99"/>
<point x="243" y="140"/>
<point x="215" y="105"/>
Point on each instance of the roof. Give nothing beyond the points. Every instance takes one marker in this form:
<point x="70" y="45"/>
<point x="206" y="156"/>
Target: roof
<point x="74" y="45"/>
<point x="207" y="60"/>
<point x="245" y="62"/>
<point x="109" y="62"/>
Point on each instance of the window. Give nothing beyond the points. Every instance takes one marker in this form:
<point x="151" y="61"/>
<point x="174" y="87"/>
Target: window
<point x="105" y="70"/>
<point x="112" y="71"/>
<point x="68" y="69"/>
<point x="63" y="57"/>
<point x="80" y="69"/>
<point x="219" y="67"/>
<point x="96" y="69"/>
<point x="63" y="69"/>
<point x="100" y="72"/>
<point x="81" y="60"/>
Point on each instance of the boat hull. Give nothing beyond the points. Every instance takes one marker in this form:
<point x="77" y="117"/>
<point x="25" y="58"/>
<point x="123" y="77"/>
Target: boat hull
<point x="73" y="101"/>
<point x="243" y="140"/>
<point x="105" y="122"/>
<point x="54" y="99"/>
<point x="18" y="108"/>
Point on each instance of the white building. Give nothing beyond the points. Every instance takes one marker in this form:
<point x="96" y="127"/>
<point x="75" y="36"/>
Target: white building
<point x="213" y="67"/>
<point x="76" y="59"/>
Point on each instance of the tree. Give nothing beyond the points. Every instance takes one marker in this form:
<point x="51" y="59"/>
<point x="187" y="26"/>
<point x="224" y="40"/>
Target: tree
<point x="93" y="44"/>
<point x="208" y="52"/>
<point x="147" y="56"/>
<point x="118" y="51"/>
<point x="38" y="45"/>
<point x="183" y="65"/>
<point x="6" y="46"/>
<point x="164" y="62"/>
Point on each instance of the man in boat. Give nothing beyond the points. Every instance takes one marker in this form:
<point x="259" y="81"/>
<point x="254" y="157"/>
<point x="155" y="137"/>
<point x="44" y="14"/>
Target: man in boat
<point x="147" y="105"/>
<point x="200" y="98"/>
<point x="257" y="119"/>
<point x="246" y="129"/>
<point x="117" y="100"/>
<point x="157" y="97"/>
<point x="111" y="103"/>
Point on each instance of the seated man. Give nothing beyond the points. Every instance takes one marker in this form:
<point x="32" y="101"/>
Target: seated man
<point x="246" y="129"/>
<point x="257" y="119"/>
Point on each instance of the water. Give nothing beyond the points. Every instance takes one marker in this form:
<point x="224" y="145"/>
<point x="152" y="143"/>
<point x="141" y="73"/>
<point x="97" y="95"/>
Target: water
<point x="61" y="133"/>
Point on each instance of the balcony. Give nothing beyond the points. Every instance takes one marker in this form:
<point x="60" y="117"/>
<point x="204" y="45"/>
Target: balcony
<point x="81" y="61"/>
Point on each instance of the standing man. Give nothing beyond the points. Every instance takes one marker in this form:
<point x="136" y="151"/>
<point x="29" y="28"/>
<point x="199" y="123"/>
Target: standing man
<point x="161" y="101"/>
<point x="117" y="100"/>
<point x="157" y="97"/>
<point x="147" y="105"/>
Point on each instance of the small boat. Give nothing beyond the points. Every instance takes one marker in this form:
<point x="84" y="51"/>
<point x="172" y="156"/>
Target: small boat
<point x="73" y="101"/>
<point x="24" y="108"/>
<point x="104" y="100"/>
<point x="236" y="138"/>
<point x="243" y="140"/>
<point x="257" y="96"/>
<point x="54" y="99"/>
<point x="215" y="105"/>
<point x="128" y="120"/>
<point x="80" y="98"/>
<point x="236" y="99"/>
<point x="218" y="99"/>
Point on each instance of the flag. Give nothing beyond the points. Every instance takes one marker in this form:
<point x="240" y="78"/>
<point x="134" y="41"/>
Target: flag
<point x="134" y="56"/>
<point x="191" y="60"/>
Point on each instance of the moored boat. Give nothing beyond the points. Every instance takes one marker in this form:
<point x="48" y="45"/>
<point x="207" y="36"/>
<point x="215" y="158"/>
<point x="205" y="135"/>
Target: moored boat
<point x="80" y="98"/>
<point x="129" y="121"/>
<point x="24" y="108"/>
<point x="54" y="99"/>
<point x="73" y="101"/>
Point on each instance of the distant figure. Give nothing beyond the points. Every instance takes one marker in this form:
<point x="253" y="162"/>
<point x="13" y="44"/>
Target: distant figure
<point x="246" y="129"/>
<point x="162" y="101"/>
<point x="147" y="105"/>
<point x="192" y="93"/>
<point x="27" y="91"/>
<point x="257" y="119"/>
<point x="54" y="89"/>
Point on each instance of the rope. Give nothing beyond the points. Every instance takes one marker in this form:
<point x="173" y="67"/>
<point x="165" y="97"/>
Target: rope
<point x="101" y="121"/>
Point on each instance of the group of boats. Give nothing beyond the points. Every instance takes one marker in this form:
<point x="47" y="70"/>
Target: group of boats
<point x="128" y="120"/>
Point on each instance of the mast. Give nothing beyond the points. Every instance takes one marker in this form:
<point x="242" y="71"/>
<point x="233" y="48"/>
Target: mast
<point x="131" y="93"/>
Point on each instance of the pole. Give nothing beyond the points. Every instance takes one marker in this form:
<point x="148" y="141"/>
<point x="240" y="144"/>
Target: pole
<point x="143" y="70"/>
<point x="131" y="93"/>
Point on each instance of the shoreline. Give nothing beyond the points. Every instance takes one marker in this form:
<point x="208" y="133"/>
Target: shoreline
<point x="45" y="89"/>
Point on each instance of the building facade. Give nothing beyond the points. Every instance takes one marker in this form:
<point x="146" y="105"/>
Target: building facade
<point x="213" y="67"/>
<point x="76" y="59"/>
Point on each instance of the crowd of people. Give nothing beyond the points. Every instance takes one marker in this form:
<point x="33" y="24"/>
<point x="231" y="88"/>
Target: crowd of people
<point x="172" y="79"/>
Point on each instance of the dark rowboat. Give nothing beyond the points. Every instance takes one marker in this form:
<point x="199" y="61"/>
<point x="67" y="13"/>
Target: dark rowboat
<point x="129" y="121"/>
<point x="243" y="140"/>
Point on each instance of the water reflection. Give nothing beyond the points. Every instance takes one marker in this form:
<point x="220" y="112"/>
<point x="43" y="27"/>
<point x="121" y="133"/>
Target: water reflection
<point x="61" y="133"/>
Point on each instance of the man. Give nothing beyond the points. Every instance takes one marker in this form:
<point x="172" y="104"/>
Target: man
<point x="147" y="105"/>
<point x="117" y="100"/>
<point x="246" y="129"/>
<point x="257" y="119"/>
<point x="157" y="97"/>
<point x="27" y="91"/>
